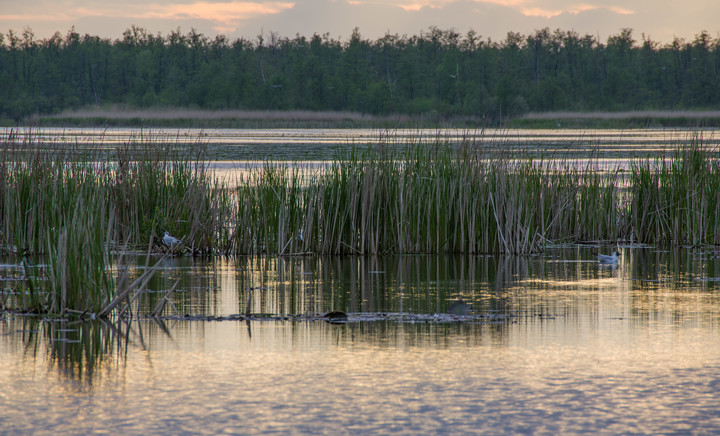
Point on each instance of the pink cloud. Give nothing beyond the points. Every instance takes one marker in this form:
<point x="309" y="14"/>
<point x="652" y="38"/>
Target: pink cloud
<point x="531" y="8"/>
<point x="214" y="11"/>
<point x="407" y="5"/>
<point x="226" y="16"/>
<point x="570" y="9"/>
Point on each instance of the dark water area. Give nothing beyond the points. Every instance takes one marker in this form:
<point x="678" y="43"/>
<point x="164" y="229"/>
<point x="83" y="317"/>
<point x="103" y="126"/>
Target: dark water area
<point x="571" y="347"/>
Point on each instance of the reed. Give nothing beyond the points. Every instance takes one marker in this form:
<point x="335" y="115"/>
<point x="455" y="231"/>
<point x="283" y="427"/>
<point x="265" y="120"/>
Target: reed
<point x="161" y="187"/>
<point x="79" y="279"/>
<point x="421" y="199"/>
<point x="676" y="200"/>
<point x="78" y="205"/>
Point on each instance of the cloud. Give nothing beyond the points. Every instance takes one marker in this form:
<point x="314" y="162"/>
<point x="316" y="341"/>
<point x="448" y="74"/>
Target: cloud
<point x="374" y="19"/>
<point x="225" y="16"/>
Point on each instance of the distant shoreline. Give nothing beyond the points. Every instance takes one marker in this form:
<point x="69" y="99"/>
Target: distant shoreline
<point x="624" y="119"/>
<point x="624" y="114"/>
<point x="115" y="116"/>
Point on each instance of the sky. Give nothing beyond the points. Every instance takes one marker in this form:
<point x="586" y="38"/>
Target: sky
<point x="659" y="20"/>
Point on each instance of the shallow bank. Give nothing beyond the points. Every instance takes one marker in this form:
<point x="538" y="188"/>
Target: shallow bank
<point x="118" y="116"/>
<point x="178" y="117"/>
<point x="618" y="120"/>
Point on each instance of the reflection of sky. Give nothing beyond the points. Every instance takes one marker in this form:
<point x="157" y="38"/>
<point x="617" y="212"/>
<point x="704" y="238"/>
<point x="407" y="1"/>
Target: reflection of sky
<point x="234" y="150"/>
<point x="634" y="349"/>
<point x="544" y="376"/>
<point x="236" y="18"/>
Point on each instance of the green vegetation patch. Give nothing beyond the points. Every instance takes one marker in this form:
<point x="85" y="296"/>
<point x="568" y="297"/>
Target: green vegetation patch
<point x="77" y="206"/>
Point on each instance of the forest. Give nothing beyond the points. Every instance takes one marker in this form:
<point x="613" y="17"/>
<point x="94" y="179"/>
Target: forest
<point x="440" y="72"/>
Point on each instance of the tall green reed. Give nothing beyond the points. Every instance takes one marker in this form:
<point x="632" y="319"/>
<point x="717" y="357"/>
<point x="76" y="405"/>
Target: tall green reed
<point x="421" y="198"/>
<point x="161" y="187"/>
<point x="52" y="204"/>
<point x="75" y="205"/>
<point x="676" y="200"/>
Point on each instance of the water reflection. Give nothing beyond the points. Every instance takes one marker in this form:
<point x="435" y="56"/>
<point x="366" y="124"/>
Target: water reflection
<point x="629" y="349"/>
<point x="80" y="351"/>
<point x="243" y="146"/>
<point x="315" y="285"/>
<point x="537" y="285"/>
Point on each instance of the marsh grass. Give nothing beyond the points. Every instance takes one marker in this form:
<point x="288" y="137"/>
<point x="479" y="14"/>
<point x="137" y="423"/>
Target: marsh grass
<point x="423" y="198"/>
<point x="116" y="115"/>
<point x="158" y="188"/>
<point x="76" y="206"/>
<point x="676" y="200"/>
<point x="618" y="120"/>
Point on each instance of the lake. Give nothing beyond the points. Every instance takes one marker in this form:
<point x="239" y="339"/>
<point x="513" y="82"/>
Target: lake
<point x="554" y="343"/>
<point x="228" y="147"/>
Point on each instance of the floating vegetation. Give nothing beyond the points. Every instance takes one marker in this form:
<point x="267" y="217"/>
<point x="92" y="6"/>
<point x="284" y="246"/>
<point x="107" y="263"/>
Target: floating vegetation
<point x="360" y="317"/>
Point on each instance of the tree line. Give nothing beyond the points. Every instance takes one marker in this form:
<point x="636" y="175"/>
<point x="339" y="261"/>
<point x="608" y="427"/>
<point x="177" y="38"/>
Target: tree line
<point x="438" y="71"/>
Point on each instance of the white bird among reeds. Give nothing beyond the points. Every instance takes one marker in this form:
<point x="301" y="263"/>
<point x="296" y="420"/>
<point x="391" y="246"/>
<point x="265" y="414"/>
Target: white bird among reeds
<point x="608" y="259"/>
<point x="170" y="241"/>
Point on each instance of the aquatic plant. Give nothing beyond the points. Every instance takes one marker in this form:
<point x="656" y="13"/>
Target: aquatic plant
<point x="79" y="204"/>
<point x="676" y="200"/>
<point x="160" y="187"/>
<point x="422" y="198"/>
<point x="76" y="205"/>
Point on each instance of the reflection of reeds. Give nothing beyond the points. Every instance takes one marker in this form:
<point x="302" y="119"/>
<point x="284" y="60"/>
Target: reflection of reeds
<point x="80" y="350"/>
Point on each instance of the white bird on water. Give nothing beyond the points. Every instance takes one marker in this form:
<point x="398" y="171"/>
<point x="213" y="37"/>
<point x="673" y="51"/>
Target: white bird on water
<point x="170" y="241"/>
<point x="611" y="259"/>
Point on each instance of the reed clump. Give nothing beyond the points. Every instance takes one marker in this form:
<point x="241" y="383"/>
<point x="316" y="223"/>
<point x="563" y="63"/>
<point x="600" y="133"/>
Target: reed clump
<point x="676" y="200"/>
<point x="423" y="198"/>
<point x="437" y="198"/>
<point x="162" y="187"/>
<point x="75" y="205"/>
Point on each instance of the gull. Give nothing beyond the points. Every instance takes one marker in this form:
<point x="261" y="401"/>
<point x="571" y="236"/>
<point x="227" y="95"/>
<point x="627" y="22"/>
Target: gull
<point x="170" y="241"/>
<point x="608" y="259"/>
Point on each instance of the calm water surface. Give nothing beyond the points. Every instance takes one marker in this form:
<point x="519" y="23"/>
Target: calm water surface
<point x="570" y="347"/>
<point x="239" y="146"/>
<point x="574" y="348"/>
